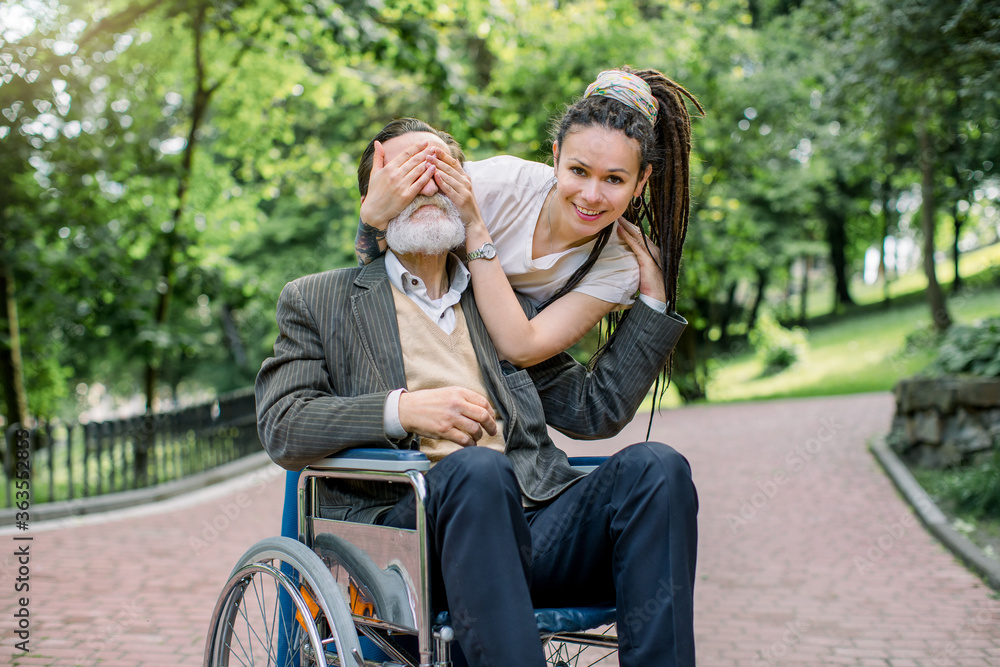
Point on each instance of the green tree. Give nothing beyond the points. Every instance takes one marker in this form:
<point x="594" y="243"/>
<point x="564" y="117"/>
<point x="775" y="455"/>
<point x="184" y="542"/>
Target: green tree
<point x="913" y="63"/>
<point x="157" y="198"/>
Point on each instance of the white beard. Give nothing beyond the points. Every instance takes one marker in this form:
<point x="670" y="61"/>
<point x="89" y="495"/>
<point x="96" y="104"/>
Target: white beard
<point x="426" y="231"/>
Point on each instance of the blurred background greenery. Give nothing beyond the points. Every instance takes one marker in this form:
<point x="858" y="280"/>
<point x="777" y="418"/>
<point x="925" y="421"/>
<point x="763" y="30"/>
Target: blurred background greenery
<point x="166" y="166"/>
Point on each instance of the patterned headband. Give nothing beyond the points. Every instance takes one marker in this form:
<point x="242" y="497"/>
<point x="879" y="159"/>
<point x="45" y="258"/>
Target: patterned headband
<point x="626" y="88"/>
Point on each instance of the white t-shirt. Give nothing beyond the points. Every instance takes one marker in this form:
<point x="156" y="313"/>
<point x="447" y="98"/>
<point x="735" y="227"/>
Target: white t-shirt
<point x="510" y="193"/>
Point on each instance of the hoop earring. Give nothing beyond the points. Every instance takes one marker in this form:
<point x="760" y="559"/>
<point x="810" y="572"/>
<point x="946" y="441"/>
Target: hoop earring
<point x="637" y="201"/>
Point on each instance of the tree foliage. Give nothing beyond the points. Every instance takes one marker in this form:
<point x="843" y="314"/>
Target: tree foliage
<point x="166" y="166"/>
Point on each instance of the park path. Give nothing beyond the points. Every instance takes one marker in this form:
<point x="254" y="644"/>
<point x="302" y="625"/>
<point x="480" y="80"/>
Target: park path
<point x="807" y="556"/>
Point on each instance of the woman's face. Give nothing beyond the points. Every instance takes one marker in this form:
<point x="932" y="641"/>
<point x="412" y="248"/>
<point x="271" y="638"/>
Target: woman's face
<point x="598" y="174"/>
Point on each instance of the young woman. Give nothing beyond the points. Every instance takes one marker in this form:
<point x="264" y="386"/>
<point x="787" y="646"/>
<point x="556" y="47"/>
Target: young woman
<point x="558" y="236"/>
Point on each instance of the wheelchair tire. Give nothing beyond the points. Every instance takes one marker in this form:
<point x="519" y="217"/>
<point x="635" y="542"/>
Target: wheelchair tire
<point x="249" y="628"/>
<point x="386" y="588"/>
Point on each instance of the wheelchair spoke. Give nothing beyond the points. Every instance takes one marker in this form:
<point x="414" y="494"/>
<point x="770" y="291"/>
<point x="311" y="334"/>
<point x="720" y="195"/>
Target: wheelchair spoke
<point x="279" y="605"/>
<point x="259" y="596"/>
<point x="251" y="632"/>
<point x="276" y="619"/>
<point x="235" y="635"/>
<point x="233" y="653"/>
<point x="256" y="624"/>
<point x="566" y="652"/>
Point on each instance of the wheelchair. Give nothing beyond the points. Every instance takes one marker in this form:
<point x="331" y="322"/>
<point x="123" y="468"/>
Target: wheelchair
<point x="330" y="592"/>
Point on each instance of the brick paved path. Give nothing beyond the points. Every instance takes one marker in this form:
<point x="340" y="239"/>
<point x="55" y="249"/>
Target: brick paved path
<point x="807" y="556"/>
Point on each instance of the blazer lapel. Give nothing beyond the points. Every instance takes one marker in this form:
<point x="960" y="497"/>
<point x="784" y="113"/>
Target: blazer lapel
<point x="374" y="314"/>
<point x="488" y="362"/>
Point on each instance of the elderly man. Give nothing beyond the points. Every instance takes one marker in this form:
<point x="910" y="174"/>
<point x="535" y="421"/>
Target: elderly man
<point x="394" y="354"/>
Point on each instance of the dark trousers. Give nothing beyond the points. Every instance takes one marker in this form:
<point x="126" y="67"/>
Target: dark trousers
<point x="626" y="534"/>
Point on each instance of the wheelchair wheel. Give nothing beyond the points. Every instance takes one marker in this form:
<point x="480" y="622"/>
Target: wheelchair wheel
<point x="563" y="651"/>
<point x="281" y="607"/>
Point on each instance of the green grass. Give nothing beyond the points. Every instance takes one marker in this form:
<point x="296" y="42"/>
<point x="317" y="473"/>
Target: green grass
<point x="864" y="349"/>
<point x="971" y="263"/>
<point x="859" y="353"/>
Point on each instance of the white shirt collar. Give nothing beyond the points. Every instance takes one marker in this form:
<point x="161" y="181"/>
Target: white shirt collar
<point x="413" y="286"/>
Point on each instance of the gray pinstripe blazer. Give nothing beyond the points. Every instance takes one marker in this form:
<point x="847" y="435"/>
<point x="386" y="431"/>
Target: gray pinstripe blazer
<point x="337" y="356"/>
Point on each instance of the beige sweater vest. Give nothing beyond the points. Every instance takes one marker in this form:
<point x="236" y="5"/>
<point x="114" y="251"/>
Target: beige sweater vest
<point x="433" y="358"/>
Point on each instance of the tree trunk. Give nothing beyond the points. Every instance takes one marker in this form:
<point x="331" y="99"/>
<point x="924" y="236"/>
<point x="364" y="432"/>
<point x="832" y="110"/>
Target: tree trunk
<point x="935" y="296"/>
<point x="11" y="365"/>
<point x="883" y="269"/>
<point x="171" y="239"/>
<point x="689" y="385"/>
<point x="836" y="236"/>
<point x="804" y="295"/>
<point x="787" y="304"/>
<point x="727" y="313"/>
<point x="956" y="285"/>
<point x="763" y="276"/>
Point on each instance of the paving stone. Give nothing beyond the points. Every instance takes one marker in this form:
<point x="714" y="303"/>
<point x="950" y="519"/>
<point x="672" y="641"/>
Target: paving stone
<point x="829" y="545"/>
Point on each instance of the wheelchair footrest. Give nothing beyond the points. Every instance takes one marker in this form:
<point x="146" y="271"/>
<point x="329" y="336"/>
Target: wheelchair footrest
<point x="561" y="619"/>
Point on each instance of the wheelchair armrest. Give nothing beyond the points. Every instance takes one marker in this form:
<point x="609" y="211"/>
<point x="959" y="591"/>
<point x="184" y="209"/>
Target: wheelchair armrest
<point x="377" y="459"/>
<point x="400" y="460"/>
<point x="586" y="464"/>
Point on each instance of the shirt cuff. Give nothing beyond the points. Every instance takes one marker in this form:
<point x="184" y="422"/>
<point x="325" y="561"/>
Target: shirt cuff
<point x="655" y="304"/>
<point x="390" y="417"/>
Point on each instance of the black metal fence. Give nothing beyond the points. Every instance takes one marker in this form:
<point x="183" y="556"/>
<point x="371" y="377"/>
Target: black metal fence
<point x="72" y="461"/>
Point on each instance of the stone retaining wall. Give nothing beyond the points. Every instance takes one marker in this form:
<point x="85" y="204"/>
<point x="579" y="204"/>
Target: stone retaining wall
<point x="942" y="422"/>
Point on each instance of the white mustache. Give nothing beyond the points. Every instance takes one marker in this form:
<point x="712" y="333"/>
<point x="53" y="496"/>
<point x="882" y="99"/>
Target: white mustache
<point x="437" y="200"/>
<point x="405" y="237"/>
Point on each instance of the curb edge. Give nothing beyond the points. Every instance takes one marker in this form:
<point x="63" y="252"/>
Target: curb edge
<point x="934" y="519"/>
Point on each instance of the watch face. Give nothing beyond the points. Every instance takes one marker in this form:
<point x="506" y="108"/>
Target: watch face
<point x="488" y="251"/>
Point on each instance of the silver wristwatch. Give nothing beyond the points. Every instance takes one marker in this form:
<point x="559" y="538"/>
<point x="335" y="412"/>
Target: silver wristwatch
<point x="487" y="251"/>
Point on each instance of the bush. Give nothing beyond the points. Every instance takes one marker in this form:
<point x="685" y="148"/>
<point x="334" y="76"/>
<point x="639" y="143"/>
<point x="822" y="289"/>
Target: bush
<point x="778" y="347"/>
<point x="972" y="489"/>
<point x="970" y="350"/>
<point x="925" y="339"/>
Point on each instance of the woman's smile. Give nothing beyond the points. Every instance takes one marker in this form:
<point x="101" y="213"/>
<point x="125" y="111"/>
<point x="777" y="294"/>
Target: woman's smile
<point x="587" y="214"/>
